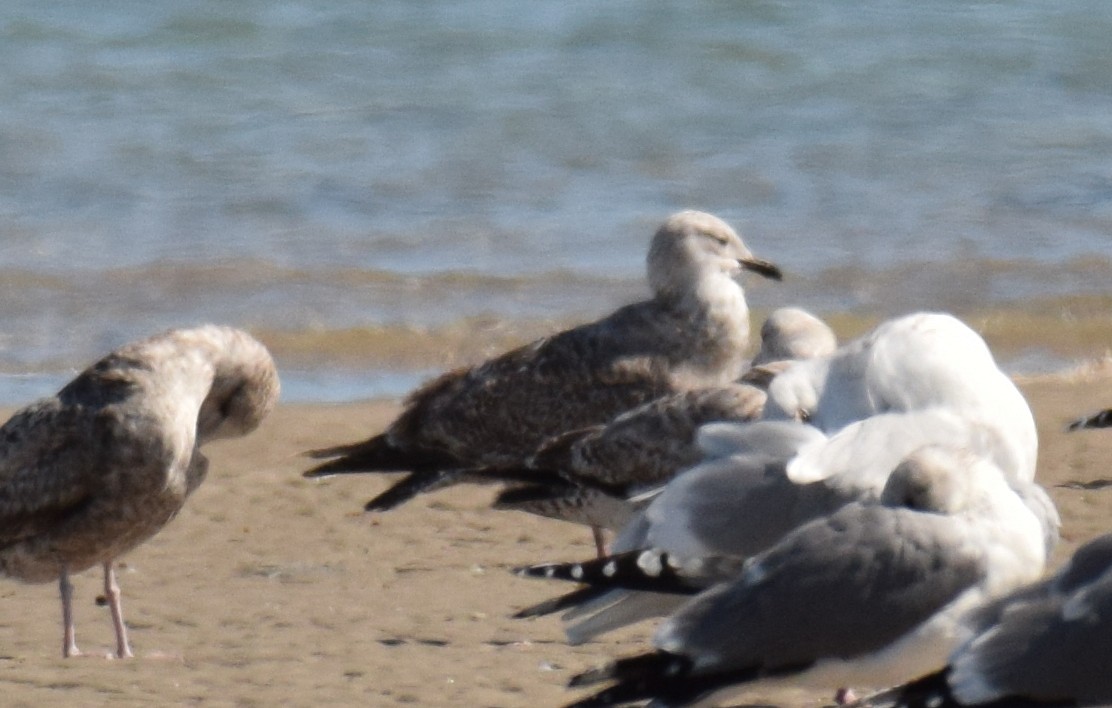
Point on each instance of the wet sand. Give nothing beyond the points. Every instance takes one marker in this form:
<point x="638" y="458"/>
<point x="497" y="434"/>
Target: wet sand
<point x="273" y="590"/>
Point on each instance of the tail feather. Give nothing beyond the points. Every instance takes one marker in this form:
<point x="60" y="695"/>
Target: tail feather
<point x="376" y="455"/>
<point x="931" y="691"/>
<point x="656" y="664"/>
<point x="934" y="691"/>
<point x="1103" y="419"/>
<point x="659" y="675"/>
<point x="614" y="610"/>
<point x="575" y="598"/>
<point x="413" y="484"/>
<point x="648" y="570"/>
<point x="665" y="678"/>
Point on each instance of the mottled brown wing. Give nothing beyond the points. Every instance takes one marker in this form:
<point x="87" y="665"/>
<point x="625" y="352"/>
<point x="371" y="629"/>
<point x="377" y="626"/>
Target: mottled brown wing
<point x="652" y="443"/>
<point x="501" y="411"/>
<point x="46" y="453"/>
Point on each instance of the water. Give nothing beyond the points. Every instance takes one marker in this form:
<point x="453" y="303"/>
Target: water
<point x="380" y="190"/>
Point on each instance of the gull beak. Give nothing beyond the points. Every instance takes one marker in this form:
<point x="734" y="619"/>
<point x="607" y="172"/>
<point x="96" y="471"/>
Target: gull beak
<point x="765" y="268"/>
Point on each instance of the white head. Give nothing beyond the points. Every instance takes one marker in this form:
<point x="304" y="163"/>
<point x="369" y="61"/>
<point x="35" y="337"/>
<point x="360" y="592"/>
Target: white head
<point x="793" y="333"/>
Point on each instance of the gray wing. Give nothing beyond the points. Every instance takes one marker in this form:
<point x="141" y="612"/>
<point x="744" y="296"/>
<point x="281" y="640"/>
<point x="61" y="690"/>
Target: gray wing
<point x="735" y="506"/>
<point x="839" y="587"/>
<point x="501" y="411"/>
<point x="47" y="459"/>
<point x="1049" y="641"/>
<point x="779" y="438"/>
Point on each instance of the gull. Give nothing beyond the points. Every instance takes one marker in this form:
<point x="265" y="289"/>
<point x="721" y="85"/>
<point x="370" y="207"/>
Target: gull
<point x="792" y="334"/>
<point x="586" y="476"/>
<point x="761" y="480"/>
<point x="92" y="472"/>
<point x="870" y="594"/>
<point x="1046" y="644"/>
<point x="693" y="332"/>
<point x="742" y="503"/>
<point x="915" y="362"/>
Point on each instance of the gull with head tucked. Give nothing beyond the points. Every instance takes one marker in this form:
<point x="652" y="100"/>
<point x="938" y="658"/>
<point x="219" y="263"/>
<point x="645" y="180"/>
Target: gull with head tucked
<point x="693" y="332"/>
<point x="1045" y="644"/>
<point x="760" y="480"/>
<point x="92" y="472"/>
<point x="869" y="595"/>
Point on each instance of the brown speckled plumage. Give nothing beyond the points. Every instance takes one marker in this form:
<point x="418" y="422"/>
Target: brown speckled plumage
<point x="693" y="333"/>
<point x="649" y="445"/>
<point x="89" y="474"/>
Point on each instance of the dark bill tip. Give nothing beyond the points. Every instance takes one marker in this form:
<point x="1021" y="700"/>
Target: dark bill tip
<point x="768" y="270"/>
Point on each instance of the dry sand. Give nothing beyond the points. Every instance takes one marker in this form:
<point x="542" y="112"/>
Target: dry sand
<point x="273" y="590"/>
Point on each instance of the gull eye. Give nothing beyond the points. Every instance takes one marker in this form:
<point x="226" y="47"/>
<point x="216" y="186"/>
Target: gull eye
<point x="719" y="238"/>
<point x="803" y="416"/>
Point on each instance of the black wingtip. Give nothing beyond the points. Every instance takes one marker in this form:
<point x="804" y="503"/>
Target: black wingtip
<point x="329" y="469"/>
<point x="1103" y="419"/>
<point x="930" y="691"/>
<point x="413" y="484"/>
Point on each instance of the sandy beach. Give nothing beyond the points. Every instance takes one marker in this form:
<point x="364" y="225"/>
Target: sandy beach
<point x="269" y="589"/>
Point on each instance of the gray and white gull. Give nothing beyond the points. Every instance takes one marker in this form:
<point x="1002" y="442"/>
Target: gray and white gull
<point x="871" y="594"/>
<point x="92" y="472"/>
<point x="1046" y="644"/>
<point x="761" y="480"/>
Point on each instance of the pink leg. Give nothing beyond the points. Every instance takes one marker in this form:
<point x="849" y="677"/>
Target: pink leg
<point x="69" y="642"/>
<point x="845" y="696"/>
<point x="112" y="594"/>
<point x="600" y="541"/>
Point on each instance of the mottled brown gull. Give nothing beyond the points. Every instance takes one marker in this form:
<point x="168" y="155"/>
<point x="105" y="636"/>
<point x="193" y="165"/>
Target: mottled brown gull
<point x="591" y="472"/>
<point x="692" y="333"/>
<point x="92" y="472"/>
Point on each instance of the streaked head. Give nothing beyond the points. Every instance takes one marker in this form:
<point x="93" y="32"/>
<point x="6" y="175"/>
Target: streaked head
<point x="692" y="244"/>
<point x="245" y="388"/>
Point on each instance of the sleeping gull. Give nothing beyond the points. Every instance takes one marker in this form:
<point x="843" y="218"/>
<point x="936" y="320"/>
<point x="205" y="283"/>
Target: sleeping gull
<point x="743" y="503"/>
<point x="692" y="333"/>
<point x="914" y="362"/>
<point x="1047" y="644"/>
<point x="792" y="333"/>
<point x="870" y="594"/>
<point x="763" y="479"/>
<point x="89" y="474"/>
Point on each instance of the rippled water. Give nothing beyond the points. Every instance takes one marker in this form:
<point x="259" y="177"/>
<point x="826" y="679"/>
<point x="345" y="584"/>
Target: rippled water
<point x="384" y="189"/>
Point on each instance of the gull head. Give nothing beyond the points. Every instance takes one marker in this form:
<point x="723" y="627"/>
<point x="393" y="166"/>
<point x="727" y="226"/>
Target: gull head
<point x="245" y="386"/>
<point x="792" y="333"/>
<point x="933" y="479"/>
<point x="693" y="245"/>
